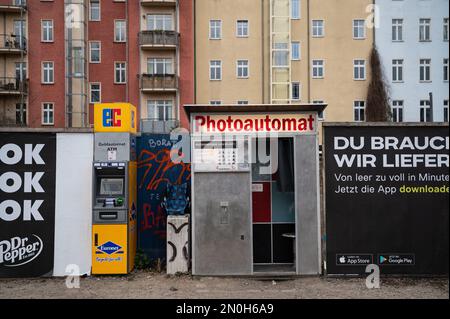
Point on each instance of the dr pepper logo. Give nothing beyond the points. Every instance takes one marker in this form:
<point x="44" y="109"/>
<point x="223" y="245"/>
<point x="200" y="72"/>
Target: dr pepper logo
<point x="19" y="251"/>
<point x="112" y="117"/>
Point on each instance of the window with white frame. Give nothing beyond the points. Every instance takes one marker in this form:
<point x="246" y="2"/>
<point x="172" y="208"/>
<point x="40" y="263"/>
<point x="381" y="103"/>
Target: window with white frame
<point x="359" y="110"/>
<point x="95" y="93"/>
<point x="242" y="28"/>
<point x="425" y="70"/>
<point x="445" y="69"/>
<point x="242" y="102"/>
<point x="317" y="69"/>
<point x="215" y="29"/>
<point x="161" y="22"/>
<point x="295" y="9"/>
<point x="295" y="91"/>
<point x="21" y="113"/>
<point x="47" y="30"/>
<point x="215" y="70"/>
<point x="120" y="31"/>
<point x="48" y="72"/>
<point x="295" y="50"/>
<point x="397" y="111"/>
<point x="425" y="111"/>
<point x="445" y="110"/>
<point x="281" y="55"/>
<point x="120" y="74"/>
<point x="320" y="115"/>
<point x="94" y="10"/>
<point x="78" y="60"/>
<point x="359" y="29"/>
<point x="359" y="69"/>
<point x="160" y="66"/>
<point x="48" y="114"/>
<point x="445" y="35"/>
<point x="397" y="30"/>
<point x="160" y="110"/>
<point x="397" y="70"/>
<point x="424" y="29"/>
<point x="215" y="102"/>
<point x="95" y="51"/>
<point x="318" y="28"/>
<point x="242" y="69"/>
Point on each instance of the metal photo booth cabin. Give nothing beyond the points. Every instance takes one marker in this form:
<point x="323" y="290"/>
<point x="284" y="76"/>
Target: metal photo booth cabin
<point x="255" y="189"/>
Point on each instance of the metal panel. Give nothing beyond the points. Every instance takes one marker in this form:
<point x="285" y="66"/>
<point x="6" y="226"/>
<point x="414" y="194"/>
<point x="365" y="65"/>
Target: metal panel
<point x="222" y="237"/>
<point x="307" y="205"/>
<point x="114" y="147"/>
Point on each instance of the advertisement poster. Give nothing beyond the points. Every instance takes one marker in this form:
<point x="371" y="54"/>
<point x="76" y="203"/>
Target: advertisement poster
<point x="27" y="204"/>
<point x="387" y="199"/>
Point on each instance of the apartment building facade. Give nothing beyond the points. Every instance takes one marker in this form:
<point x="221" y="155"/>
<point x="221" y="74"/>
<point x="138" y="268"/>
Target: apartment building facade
<point x="412" y="39"/>
<point x="82" y="52"/>
<point x="285" y="51"/>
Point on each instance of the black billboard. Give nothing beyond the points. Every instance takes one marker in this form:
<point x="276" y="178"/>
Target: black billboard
<point x="27" y="204"/>
<point x="387" y="199"/>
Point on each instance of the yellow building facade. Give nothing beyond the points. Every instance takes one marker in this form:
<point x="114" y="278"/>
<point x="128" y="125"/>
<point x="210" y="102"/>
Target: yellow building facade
<point x="284" y="51"/>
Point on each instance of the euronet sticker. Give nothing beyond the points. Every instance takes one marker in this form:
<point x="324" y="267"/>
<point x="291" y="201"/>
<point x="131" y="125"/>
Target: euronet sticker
<point x="19" y="251"/>
<point x="109" y="248"/>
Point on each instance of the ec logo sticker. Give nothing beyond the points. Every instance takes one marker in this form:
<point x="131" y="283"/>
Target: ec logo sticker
<point x="112" y="117"/>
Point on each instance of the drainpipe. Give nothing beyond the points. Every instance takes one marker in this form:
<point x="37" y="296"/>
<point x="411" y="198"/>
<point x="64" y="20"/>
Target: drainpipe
<point x="262" y="54"/>
<point x="309" y="49"/>
<point x="195" y="51"/>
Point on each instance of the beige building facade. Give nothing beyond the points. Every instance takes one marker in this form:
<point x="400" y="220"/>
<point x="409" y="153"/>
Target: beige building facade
<point x="284" y="51"/>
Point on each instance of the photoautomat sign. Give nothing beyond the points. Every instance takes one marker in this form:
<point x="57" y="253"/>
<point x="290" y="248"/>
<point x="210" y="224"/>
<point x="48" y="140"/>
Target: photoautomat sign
<point x="254" y="123"/>
<point x="27" y="204"/>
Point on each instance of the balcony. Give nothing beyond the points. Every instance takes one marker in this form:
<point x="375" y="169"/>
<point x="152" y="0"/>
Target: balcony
<point x="158" y="126"/>
<point x="13" y="86"/>
<point x="16" y="7"/>
<point x="159" y="3"/>
<point x="159" y="82"/>
<point x="12" y="44"/>
<point x="158" y="39"/>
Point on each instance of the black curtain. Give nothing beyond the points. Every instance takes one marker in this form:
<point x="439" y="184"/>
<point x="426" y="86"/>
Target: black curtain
<point x="285" y="175"/>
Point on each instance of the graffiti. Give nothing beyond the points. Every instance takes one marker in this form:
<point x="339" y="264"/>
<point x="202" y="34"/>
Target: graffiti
<point x="155" y="171"/>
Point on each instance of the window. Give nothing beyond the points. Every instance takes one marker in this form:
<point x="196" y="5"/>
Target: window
<point x="95" y="91"/>
<point x="359" y="108"/>
<point x="397" y="30"/>
<point x="159" y="110"/>
<point x="317" y="69"/>
<point x="161" y="66"/>
<point x="77" y="62"/>
<point x="317" y="28"/>
<point x="159" y="22"/>
<point x="445" y="69"/>
<point x="95" y="51"/>
<point x="215" y="70"/>
<point x="21" y="114"/>
<point x="397" y="111"/>
<point x="295" y="51"/>
<point x="21" y="71"/>
<point x="47" y="114"/>
<point x="425" y="111"/>
<point x="120" y="73"/>
<point x="48" y="73"/>
<point x="94" y="10"/>
<point x="295" y="9"/>
<point x="242" y="102"/>
<point x="281" y="57"/>
<point x="47" y="30"/>
<point x="215" y="29"/>
<point x="120" y="31"/>
<point x="242" y="28"/>
<point x="359" y="69"/>
<point x="295" y="88"/>
<point x="359" y="29"/>
<point x="424" y="29"/>
<point x="320" y="115"/>
<point x="242" y="69"/>
<point x="445" y="29"/>
<point x="445" y="110"/>
<point x="215" y="102"/>
<point x="425" y="70"/>
<point x="397" y="70"/>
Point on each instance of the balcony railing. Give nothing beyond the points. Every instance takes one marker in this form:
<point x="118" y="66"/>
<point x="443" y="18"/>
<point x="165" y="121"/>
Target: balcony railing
<point x="168" y="3"/>
<point x="12" y="43"/>
<point x="158" y="38"/>
<point x="13" y="6"/>
<point x="13" y="86"/>
<point x="158" y="126"/>
<point x="159" y="82"/>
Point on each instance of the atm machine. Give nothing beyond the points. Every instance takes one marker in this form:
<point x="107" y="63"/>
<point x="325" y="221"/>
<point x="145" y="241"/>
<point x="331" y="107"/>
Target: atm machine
<point x="114" y="218"/>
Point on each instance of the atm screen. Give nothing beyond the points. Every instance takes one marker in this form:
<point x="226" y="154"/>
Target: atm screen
<point x="111" y="186"/>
